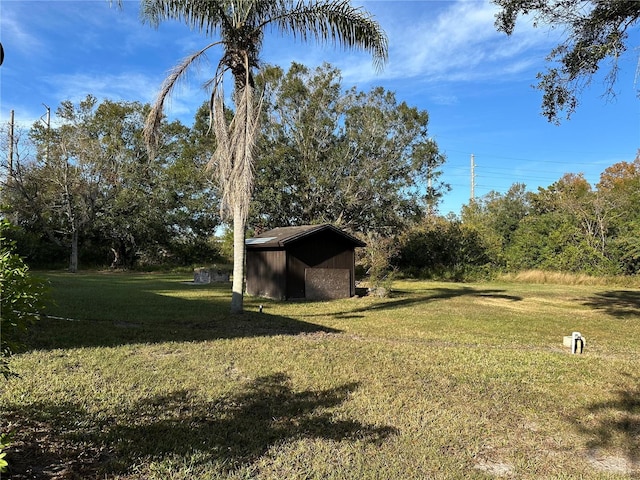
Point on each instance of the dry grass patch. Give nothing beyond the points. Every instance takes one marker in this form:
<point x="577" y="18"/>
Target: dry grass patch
<point x="563" y="278"/>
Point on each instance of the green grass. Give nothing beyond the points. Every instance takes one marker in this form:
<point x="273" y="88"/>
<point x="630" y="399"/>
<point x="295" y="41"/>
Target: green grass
<point x="148" y="377"/>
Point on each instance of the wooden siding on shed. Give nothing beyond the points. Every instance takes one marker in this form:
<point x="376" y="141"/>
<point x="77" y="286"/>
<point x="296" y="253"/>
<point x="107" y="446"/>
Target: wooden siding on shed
<point x="266" y="274"/>
<point x="323" y="250"/>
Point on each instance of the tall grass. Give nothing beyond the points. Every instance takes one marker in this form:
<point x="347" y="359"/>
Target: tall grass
<point x="563" y="278"/>
<point x="152" y="379"/>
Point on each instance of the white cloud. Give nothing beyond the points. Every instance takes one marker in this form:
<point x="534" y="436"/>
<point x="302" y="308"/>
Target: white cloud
<point x="15" y="36"/>
<point x="113" y="86"/>
<point x="434" y="42"/>
<point x="444" y="99"/>
<point x="182" y="105"/>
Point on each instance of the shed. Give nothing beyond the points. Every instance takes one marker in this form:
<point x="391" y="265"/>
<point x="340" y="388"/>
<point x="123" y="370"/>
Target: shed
<point x="314" y="262"/>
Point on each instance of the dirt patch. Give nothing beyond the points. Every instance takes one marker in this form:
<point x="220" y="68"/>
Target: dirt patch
<point x="499" y="469"/>
<point x="612" y="463"/>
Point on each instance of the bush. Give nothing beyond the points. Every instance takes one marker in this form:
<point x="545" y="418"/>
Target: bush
<point x="21" y="299"/>
<point x="375" y="261"/>
<point x="442" y="249"/>
<point x="5" y="441"/>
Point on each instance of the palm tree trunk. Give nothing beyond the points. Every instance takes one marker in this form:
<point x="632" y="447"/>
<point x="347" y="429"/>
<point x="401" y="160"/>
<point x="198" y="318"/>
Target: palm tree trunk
<point x="238" y="261"/>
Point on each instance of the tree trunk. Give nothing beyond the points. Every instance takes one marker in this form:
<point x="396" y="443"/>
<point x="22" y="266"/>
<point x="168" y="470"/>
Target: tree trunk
<point x="238" y="262"/>
<point x="116" y="258"/>
<point x="73" y="261"/>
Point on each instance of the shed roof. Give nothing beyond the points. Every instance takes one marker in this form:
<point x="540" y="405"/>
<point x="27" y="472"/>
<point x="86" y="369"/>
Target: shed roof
<point x="281" y="236"/>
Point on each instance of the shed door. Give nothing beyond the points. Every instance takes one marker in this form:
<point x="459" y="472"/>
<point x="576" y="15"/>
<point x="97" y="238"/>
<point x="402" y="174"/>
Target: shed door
<point x="327" y="283"/>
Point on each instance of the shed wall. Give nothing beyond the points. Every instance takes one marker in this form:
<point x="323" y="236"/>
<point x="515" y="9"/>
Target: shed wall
<point x="266" y="274"/>
<point x="327" y="283"/>
<point x="324" y="250"/>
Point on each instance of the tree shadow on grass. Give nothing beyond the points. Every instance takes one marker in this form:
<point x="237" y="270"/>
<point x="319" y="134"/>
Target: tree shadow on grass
<point x="614" y="425"/>
<point x="617" y="303"/>
<point x="224" y="435"/>
<point x="52" y="333"/>
<point x="106" y="311"/>
<point x="434" y="294"/>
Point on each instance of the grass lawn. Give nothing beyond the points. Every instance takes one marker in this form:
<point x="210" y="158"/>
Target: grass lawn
<point x="148" y="377"/>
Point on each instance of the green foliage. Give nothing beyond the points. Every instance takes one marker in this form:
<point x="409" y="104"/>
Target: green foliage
<point x="626" y="247"/>
<point x="92" y="194"/>
<point x="225" y="245"/>
<point x="567" y="227"/>
<point x="21" y="300"/>
<point x="619" y="191"/>
<point x="5" y="441"/>
<point x="376" y="261"/>
<point x="36" y="249"/>
<point x="531" y="243"/>
<point x="567" y="230"/>
<point x="594" y="32"/>
<point x="443" y="249"/>
<point x="496" y="217"/>
<point x="354" y="159"/>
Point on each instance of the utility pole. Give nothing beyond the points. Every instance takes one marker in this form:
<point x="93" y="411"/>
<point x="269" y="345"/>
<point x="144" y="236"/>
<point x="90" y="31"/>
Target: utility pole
<point x="430" y="209"/>
<point x="473" y="178"/>
<point x="11" y="142"/>
<point x="46" y="119"/>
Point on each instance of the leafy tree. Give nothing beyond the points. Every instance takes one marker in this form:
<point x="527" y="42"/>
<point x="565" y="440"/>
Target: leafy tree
<point x="295" y="165"/>
<point x="241" y="26"/>
<point x="192" y="213"/>
<point x="620" y="185"/>
<point x="160" y="208"/>
<point x="596" y="31"/>
<point x="388" y="161"/>
<point x="350" y="158"/>
<point x="376" y="260"/>
<point x="94" y="167"/>
<point x="625" y="248"/>
<point x="575" y="196"/>
<point x="21" y="299"/>
<point x="569" y="226"/>
<point x="496" y="217"/>
<point x="566" y="231"/>
<point x="442" y="248"/>
<point x="539" y="240"/>
<point x="619" y="192"/>
<point x="22" y="201"/>
<point x="124" y="207"/>
<point x="71" y="166"/>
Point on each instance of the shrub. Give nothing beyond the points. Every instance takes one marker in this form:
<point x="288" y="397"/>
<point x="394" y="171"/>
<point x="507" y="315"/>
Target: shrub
<point x="375" y="261"/>
<point x="442" y="249"/>
<point x="21" y="299"/>
<point x="5" y="441"/>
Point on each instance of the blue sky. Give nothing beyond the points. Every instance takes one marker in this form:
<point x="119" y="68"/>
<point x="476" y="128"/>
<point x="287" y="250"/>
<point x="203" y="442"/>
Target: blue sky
<point x="444" y="57"/>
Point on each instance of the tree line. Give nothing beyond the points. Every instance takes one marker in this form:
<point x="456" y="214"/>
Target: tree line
<point x="69" y="203"/>
<point x="569" y="226"/>
<point x="85" y="190"/>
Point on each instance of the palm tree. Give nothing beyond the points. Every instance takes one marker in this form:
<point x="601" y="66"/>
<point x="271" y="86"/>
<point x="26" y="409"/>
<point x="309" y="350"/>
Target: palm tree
<point x="239" y="26"/>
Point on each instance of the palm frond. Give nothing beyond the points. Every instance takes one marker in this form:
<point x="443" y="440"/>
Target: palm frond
<point x="206" y="16"/>
<point x="236" y="144"/>
<point x="334" y="21"/>
<point x="176" y="75"/>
